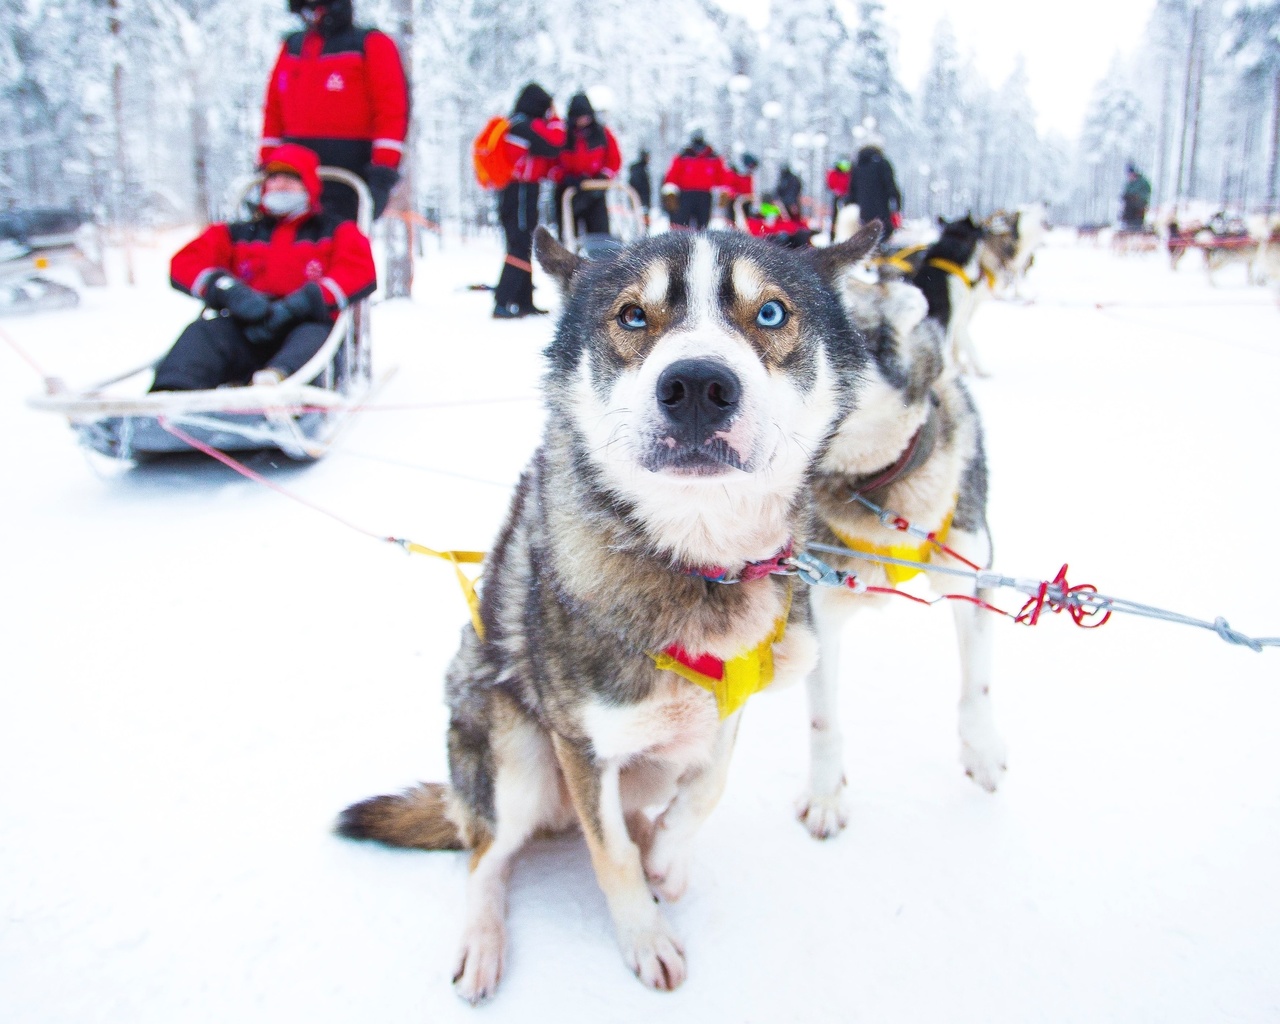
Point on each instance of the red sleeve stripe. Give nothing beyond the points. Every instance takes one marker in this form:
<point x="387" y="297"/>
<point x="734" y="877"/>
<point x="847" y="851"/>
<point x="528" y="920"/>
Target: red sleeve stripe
<point x="388" y="144"/>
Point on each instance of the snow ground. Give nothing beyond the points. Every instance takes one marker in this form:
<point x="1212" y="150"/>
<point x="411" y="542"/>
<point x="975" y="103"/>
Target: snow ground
<point x="198" y="675"/>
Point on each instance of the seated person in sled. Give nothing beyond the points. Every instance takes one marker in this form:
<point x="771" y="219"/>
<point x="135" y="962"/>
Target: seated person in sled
<point x="272" y="286"/>
<point x="770" y="221"/>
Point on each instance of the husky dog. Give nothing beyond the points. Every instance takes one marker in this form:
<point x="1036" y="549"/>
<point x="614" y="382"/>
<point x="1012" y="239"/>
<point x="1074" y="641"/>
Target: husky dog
<point x="913" y="446"/>
<point x="692" y="381"/>
<point x="955" y="276"/>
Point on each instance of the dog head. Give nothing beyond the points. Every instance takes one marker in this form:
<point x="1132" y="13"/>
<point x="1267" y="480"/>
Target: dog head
<point x="699" y="375"/>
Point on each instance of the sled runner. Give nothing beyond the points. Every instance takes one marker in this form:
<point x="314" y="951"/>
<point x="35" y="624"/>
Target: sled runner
<point x="33" y="241"/>
<point x="300" y="416"/>
<point x="626" y="218"/>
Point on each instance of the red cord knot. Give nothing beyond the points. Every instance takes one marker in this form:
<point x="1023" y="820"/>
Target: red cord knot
<point x="1059" y="595"/>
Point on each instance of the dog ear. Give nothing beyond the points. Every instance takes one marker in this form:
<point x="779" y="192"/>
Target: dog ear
<point x="554" y="258"/>
<point x="835" y="258"/>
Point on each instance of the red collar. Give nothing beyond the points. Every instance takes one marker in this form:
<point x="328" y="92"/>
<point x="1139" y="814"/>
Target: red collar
<point x="778" y="565"/>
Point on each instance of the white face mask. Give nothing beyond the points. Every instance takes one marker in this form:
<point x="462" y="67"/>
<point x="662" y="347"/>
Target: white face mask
<point x="286" y="204"/>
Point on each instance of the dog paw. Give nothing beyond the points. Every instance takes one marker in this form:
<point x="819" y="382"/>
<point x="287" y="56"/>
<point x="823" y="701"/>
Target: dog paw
<point x="824" y="816"/>
<point x="982" y="752"/>
<point x="667" y="870"/>
<point x="655" y="956"/>
<point x="479" y="967"/>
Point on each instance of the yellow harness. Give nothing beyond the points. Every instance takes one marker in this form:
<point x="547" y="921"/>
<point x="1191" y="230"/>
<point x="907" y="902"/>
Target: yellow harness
<point x="955" y="270"/>
<point x="922" y="552"/>
<point x="731" y="682"/>
<point x="898" y="259"/>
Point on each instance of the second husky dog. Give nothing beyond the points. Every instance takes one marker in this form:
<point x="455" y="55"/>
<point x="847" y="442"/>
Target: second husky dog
<point x="912" y="446"/>
<point x="692" y="381"/>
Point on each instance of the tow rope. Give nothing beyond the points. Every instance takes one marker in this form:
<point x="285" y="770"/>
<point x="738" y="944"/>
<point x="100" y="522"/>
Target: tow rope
<point x="1084" y="605"/>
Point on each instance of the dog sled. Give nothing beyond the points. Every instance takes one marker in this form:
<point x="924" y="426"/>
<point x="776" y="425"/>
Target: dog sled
<point x="300" y="416"/>
<point x="626" y="218"/>
<point x="35" y="241"/>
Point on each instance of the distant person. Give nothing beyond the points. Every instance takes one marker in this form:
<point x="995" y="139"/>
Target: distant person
<point x="639" y="179"/>
<point x="694" y="172"/>
<point x="837" y="186"/>
<point x="789" y="190"/>
<point x="873" y="187"/>
<point x="340" y="91"/>
<point x="272" y="285"/>
<point x="1135" y="199"/>
<point x="590" y="154"/>
<point x="535" y="135"/>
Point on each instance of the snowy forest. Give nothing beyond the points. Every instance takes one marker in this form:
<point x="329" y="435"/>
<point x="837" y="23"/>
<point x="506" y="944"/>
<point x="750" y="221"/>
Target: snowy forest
<point x="147" y="111"/>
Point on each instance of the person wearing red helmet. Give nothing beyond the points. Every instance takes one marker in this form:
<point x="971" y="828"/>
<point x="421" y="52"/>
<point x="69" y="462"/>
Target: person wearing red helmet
<point x="272" y="286"/>
<point x="340" y="90"/>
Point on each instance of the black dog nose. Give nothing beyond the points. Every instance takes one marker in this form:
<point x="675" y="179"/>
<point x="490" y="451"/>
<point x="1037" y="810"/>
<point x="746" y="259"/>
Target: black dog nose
<point x="698" y="396"/>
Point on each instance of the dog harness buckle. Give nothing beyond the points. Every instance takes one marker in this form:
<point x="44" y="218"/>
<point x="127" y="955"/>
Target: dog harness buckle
<point x="817" y="573"/>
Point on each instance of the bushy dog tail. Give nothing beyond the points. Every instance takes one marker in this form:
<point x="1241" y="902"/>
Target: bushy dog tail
<point x="417" y="818"/>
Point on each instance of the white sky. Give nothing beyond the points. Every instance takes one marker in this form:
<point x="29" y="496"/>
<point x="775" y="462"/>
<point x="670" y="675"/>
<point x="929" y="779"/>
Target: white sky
<point x="1067" y="50"/>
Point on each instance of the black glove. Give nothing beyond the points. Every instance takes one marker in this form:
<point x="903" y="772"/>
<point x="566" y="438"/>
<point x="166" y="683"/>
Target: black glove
<point x="301" y="306"/>
<point x="381" y="180"/>
<point x="248" y="305"/>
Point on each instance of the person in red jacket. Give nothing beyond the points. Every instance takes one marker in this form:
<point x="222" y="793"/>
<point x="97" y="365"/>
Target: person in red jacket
<point x="535" y="136"/>
<point x="837" y="185"/>
<point x="694" y="172"/>
<point x="272" y="286"/>
<point x="340" y="90"/>
<point x="590" y="153"/>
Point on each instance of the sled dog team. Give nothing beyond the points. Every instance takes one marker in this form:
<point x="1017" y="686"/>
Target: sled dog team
<point x="715" y="404"/>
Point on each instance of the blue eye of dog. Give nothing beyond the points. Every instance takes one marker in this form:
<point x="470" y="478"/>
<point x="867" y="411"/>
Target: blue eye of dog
<point x="633" y="318"/>
<point x="772" y="314"/>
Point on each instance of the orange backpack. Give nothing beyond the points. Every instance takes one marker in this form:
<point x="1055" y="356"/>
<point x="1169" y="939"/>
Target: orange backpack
<point x="493" y="159"/>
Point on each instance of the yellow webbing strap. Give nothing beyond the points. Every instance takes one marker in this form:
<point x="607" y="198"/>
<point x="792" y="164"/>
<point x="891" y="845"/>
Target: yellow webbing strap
<point x="921" y="552"/>
<point x="458" y="559"/>
<point x="741" y="676"/>
<point x="899" y="258"/>
<point x="954" y="268"/>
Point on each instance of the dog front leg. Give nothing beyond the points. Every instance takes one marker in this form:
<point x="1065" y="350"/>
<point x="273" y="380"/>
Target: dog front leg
<point x="667" y="860"/>
<point x="824" y="810"/>
<point x="648" y="946"/>
<point x="982" y="751"/>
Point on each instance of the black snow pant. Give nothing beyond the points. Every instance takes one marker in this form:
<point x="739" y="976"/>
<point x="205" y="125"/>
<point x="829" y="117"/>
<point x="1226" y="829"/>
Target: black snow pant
<point x="694" y="211"/>
<point x="214" y="351"/>
<point x="518" y="211"/>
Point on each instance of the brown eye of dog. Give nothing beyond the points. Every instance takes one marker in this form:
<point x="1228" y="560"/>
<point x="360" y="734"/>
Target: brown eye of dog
<point x="632" y="318"/>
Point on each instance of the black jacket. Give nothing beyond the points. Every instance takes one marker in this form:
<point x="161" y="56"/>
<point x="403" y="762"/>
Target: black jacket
<point x="640" y="181"/>
<point x="873" y="188"/>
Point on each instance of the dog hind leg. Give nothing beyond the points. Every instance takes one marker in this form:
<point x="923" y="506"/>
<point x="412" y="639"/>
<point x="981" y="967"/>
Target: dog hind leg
<point x="823" y="810"/>
<point x="982" y="751"/>
<point x="666" y="861"/>
<point x="647" y="944"/>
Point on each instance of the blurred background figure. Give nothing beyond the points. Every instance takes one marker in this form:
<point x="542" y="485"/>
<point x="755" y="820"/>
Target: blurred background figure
<point x="694" y="172"/>
<point x="536" y="136"/>
<point x="873" y="187"/>
<point x="639" y="178"/>
<point x="837" y="186"/>
<point x="340" y="91"/>
<point x="590" y="154"/>
<point x="789" y="190"/>
<point x="1135" y="199"/>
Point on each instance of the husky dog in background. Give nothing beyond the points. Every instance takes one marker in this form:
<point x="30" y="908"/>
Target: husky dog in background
<point x="693" y="380"/>
<point x="913" y="445"/>
<point x="955" y="277"/>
